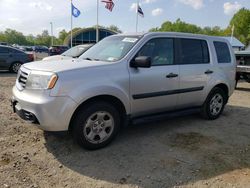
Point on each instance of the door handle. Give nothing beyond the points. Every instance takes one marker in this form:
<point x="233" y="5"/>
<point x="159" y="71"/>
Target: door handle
<point x="209" y="72"/>
<point x="172" y="75"/>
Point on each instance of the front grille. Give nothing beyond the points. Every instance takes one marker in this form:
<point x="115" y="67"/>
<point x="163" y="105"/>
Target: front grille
<point x="22" y="78"/>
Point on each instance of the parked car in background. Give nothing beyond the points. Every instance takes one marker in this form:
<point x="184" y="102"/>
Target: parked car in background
<point x="73" y="52"/>
<point x="26" y="48"/>
<point x="11" y="58"/>
<point x="4" y="43"/>
<point x="127" y="78"/>
<point x="57" y="50"/>
<point x="40" y="52"/>
<point x="243" y="65"/>
<point x="40" y="49"/>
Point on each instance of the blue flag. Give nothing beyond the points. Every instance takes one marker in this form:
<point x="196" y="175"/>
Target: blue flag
<point x="75" y="11"/>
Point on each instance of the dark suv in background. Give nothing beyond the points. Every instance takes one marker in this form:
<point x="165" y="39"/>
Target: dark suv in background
<point x="57" y="50"/>
<point x="11" y="58"/>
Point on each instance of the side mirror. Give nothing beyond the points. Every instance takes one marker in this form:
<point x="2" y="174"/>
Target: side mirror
<point x="141" y="62"/>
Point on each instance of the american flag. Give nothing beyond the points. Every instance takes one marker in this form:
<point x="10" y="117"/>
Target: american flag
<point x="109" y="4"/>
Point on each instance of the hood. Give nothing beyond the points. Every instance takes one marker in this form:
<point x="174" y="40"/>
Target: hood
<point x="56" y="57"/>
<point x="63" y="65"/>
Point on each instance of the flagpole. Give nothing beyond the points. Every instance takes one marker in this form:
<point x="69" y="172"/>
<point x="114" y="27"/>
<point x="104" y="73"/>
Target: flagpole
<point x="232" y="34"/>
<point x="97" y="21"/>
<point x="136" y="25"/>
<point x="71" y="33"/>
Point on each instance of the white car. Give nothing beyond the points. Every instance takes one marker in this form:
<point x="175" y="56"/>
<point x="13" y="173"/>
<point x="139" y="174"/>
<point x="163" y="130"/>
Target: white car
<point x="74" y="52"/>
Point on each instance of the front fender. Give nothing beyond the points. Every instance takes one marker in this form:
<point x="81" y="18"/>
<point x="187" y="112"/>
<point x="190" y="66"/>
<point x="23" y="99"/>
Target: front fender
<point x="82" y="95"/>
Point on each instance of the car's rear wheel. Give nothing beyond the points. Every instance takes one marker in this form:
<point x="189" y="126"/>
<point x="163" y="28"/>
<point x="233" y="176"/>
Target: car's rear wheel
<point x="214" y="104"/>
<point x="15" y="67"/>
<point x="95" y="125"/>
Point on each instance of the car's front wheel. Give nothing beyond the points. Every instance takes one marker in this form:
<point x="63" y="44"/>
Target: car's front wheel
<point x="214" y="104"/>
<point x="95" y="125"/>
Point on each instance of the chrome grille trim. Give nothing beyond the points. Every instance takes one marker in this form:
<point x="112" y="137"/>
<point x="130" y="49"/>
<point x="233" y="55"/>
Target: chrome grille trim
<point x="22" y="78"/>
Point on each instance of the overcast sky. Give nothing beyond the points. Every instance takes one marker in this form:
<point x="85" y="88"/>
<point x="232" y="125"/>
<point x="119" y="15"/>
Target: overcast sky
<point x="33" y="16"/>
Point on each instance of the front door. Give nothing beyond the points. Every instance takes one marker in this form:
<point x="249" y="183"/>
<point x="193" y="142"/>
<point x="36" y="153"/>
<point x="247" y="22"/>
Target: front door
<point x="153" y="89"/>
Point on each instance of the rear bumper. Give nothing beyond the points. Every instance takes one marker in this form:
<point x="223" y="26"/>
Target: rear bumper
<point x="243" y="69"/>
<point x="49" y="113"/>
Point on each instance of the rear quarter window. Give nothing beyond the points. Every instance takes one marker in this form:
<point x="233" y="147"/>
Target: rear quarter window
<point x="222" y="51"/>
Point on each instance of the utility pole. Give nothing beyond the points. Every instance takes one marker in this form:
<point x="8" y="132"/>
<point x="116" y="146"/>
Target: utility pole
<point x="71" y="25"/>
<point x="97" y="21"/>
<point x="52" y="36"/>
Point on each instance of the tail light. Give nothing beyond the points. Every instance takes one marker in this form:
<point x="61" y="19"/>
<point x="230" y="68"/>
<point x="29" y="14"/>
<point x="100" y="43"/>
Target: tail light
<point x="31" y="57"/>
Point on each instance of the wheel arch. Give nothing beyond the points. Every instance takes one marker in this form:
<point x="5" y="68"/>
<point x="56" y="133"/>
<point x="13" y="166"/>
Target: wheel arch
<point x="224" y="87"/>
<point x="118" y="104"/>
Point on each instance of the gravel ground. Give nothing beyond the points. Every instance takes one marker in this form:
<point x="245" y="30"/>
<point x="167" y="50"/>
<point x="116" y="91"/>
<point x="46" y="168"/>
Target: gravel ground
<point x="182" y="152"/>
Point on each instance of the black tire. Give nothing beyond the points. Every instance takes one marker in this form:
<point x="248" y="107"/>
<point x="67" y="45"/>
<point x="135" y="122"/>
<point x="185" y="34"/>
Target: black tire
<point x="206" y="108"/>
<point x="80" y="124"/>
<point x="248" y="78"/>
<point x="15" y="67"/>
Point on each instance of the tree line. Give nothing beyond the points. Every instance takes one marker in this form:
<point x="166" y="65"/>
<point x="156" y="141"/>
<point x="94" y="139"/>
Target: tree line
<point x="240" y="22"/>
<point x="239" y="25"/>
<point x="12" y="36"/>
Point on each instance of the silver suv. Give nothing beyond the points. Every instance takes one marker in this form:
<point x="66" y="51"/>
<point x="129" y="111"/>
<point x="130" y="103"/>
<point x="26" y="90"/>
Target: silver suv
<point x="126" y="78"/>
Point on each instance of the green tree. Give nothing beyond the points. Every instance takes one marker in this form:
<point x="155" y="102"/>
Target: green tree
<point x="114" y="28"/>
<point x="43" y="39"/>
<point x="15" y="37"/>
<point x="241" y="23"/>
<point x="62" y="35"/>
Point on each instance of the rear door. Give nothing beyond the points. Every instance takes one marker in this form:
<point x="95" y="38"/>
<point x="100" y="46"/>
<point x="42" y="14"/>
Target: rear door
<point x="4" y="57"/>
<point x="153" y="89"/>
<point x="195" y="70"/>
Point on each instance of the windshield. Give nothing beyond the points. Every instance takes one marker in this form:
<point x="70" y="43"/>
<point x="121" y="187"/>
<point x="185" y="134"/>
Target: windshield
<point x="111" y="49"/>
<point x="76" y="51"/>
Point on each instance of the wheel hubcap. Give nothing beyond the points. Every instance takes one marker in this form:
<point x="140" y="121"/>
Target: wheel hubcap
<point x="216" y="104"/>
<point x="99" y="127"/>
<point x="16" y="67"/>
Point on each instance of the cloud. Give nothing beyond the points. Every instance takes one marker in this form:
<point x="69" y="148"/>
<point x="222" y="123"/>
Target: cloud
<point x="32" y="16"/>
<point x="231" y="8"/>
<point x="40" y="5"/>
<point x="149" y="1"/>
<point x="196" y="4"/>
<point x="157" y="12"/>
<point x="133" y="7"/>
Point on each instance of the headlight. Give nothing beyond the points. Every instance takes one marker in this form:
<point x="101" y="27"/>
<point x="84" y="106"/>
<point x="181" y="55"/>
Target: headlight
<point x="41" y="80"/>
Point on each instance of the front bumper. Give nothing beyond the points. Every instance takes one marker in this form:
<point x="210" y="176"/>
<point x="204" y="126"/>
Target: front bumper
<point x="49" y="113"/>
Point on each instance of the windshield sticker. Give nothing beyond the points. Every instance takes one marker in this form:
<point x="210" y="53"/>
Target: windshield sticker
<point x="132" y="40"/>
<point x="112" y="59"/>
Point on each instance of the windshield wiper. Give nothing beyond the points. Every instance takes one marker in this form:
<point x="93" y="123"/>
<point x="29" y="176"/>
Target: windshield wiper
<point x="90" y="59"/>
<point x="87" y="58"/>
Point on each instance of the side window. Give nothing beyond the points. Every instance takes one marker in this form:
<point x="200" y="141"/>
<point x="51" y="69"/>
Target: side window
<point x="193" y="51"/>
<point x="4" y="50"/>
<point x="161" y="51"/>
<point x="16" y="51"/>
<point x="222" y="51"/>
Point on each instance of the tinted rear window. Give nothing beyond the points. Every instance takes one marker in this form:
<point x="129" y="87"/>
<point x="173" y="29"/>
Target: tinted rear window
<point x="194" y="51"/>
<point x="222" y="51"/>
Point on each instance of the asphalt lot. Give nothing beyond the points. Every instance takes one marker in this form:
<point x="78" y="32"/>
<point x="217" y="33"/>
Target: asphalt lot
<point x="182" y="152"/>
